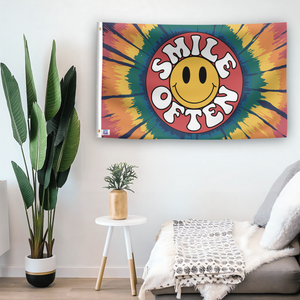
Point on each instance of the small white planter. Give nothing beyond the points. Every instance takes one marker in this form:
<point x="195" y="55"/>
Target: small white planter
<point x="40" y="272"/>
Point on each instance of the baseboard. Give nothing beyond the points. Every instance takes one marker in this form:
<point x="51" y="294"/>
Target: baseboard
<point x="74" y="272"/>
<point x="93" y="272"/>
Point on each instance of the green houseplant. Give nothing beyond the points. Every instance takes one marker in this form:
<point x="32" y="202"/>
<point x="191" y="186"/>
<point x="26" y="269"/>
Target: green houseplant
<point x="120" y="179"/>
<point x="53" y="143"/>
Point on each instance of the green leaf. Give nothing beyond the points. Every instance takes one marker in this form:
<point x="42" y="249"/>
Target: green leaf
<point x="68" y="91"/>
<point x="50" y="194"/>
<point x="53" y="94"/>
<point x="45" y="172"/>
<point x="65" y="153"/>
<point x="52" y="125"/>
<point x="38" y="138"/>
<point x="60" y="122"/>
<point x="30" y="87"/>
<point x="62" y="178"/>
<point x="24" y="185"/>
<point x="13" y="99"/>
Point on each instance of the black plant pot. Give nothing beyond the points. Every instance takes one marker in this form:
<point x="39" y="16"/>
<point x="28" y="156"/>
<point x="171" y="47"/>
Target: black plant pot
<point x="40" y="272"/>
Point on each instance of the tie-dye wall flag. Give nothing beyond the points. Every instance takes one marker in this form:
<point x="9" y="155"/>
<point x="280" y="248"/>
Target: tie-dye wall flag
<point x="192" y="82"/>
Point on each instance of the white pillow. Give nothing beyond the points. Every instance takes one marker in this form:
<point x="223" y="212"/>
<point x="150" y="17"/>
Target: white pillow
<point x="262" y="216"/>
<point x="284" y="223"/>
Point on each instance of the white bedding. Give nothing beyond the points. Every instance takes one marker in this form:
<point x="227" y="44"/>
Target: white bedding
<point x="159" y="270"/>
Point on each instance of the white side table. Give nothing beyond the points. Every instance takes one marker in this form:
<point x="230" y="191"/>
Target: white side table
<point x="130" y="221"/>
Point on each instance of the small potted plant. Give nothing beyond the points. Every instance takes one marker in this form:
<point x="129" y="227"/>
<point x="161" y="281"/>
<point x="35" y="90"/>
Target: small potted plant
<point x="121" y="177"/>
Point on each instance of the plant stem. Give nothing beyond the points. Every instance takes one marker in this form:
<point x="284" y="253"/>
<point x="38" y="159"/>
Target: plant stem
<point x="49" y="233"/>
<point x="25" y="162"/>
<point x="30" y="232"/>
<point x="53" y="218"/>
<point x="34" y="209"/>
<point x="27" y="217"/>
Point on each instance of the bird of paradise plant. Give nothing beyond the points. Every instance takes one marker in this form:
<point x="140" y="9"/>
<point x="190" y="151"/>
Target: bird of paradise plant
<point x="53" y="143"/>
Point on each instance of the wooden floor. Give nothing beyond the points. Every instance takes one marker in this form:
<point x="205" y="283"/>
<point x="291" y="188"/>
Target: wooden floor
<point x="69" y="288"/>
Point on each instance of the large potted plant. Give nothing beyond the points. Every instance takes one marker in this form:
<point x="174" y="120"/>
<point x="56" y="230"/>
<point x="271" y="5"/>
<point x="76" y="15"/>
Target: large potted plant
<point x="120" y="179"/>
<point x="53" y="142"/>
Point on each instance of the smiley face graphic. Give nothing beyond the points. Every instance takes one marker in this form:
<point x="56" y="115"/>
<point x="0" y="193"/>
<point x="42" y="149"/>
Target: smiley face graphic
<point x="194" y="82"/>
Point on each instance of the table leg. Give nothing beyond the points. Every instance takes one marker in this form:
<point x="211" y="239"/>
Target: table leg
<point x="135" y="278"/>
<point x="104" y="258"/>
<point x="130" y="260"/>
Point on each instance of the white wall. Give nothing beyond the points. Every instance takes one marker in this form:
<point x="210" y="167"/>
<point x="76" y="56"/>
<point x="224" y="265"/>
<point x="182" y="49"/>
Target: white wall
<point x="177" y="179"/>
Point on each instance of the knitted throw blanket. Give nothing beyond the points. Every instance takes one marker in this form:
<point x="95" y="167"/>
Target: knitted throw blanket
<point x="205" y="252"/>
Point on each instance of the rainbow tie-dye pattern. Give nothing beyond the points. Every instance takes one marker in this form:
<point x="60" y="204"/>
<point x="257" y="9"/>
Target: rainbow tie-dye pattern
<point x="126" y="112"/>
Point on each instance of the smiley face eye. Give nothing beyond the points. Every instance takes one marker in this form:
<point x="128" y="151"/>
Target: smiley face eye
<point x="186" y="75"/>
<point x="202" y="75"/>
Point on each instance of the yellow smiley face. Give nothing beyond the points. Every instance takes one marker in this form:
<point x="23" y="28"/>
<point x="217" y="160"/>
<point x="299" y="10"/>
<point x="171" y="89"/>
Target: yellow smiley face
<point x="194" y="82"/>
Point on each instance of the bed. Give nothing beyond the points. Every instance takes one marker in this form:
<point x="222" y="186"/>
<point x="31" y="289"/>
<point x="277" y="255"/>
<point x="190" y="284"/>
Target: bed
<point x="262" y="255"/>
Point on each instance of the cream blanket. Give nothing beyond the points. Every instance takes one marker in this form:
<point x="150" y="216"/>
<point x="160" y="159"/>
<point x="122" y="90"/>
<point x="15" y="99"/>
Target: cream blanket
<point x="159" y="270"/>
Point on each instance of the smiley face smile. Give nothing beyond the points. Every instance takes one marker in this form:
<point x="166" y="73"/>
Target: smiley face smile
<point x="194" y="82"/>
<point x="213" y="87"/>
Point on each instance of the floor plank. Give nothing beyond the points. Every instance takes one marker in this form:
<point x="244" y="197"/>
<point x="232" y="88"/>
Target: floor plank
<point x="69" y="289"/>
